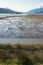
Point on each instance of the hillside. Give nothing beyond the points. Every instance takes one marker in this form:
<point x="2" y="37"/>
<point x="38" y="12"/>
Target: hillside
<point x="7" y="10"/>
<point x="35" y="11"/>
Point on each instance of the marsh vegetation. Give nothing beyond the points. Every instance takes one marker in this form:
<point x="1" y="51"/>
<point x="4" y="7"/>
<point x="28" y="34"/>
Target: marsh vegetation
<point x="21" y="54"/>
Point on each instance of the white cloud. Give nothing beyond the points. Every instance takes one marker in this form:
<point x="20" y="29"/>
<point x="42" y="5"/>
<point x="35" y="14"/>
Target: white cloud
<point x="40" y="5"/>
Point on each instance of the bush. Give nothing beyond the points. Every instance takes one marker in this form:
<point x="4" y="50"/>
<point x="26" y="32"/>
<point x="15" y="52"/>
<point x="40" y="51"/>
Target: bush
<point x="23" y="60"/>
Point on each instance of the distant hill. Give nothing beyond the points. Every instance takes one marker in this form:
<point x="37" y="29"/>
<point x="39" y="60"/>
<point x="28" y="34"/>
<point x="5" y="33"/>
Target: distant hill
<point x="35" y="11"/>
<point x="9" y="11"/>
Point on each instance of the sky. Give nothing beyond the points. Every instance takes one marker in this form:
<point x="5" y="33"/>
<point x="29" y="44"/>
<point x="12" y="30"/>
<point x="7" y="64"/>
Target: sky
<point x="21" y="5"/>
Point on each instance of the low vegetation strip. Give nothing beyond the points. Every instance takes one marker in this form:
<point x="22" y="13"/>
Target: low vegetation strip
<point x="21" y="54"/>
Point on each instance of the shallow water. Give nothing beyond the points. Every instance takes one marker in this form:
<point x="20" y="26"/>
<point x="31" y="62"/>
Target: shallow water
<point x="20" y="27"/>
<point x="21" y="30"/>
<point x="23" y="41"/>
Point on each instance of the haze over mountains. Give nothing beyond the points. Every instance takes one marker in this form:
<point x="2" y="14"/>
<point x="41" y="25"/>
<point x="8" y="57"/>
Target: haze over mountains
<point x="33" y="11"/>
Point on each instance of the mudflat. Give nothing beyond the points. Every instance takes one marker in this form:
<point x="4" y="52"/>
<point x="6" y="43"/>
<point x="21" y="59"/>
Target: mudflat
<point x="21" y="26"/>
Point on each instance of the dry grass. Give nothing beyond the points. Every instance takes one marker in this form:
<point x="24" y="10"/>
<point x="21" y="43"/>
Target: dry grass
<point x="37" y="17"/>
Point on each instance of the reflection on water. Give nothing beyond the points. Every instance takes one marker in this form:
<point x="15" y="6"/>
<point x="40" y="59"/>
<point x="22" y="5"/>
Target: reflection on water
<point x="23" y="41"/>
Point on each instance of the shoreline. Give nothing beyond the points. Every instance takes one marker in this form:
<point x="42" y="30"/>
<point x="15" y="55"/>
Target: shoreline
<point x="23" y="41"/>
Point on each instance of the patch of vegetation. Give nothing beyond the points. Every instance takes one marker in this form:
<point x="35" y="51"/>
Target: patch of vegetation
<point x="21" y="54"/>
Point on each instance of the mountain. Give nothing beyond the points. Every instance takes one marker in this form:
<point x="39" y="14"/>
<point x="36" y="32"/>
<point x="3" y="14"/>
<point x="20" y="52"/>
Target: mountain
<point x="35" y="11"/>
<point x="8" y="11"/>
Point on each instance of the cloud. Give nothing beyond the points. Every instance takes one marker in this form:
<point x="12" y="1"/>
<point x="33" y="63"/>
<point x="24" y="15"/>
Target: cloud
<point x="40" y="5"/>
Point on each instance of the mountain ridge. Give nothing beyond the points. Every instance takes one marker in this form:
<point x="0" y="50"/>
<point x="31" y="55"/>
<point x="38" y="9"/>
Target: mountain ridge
<point x="7" y="10"/>
<point x="35" y="11"/>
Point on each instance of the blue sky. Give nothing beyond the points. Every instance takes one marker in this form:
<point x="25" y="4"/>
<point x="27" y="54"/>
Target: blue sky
<point x="21" y="5"/>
